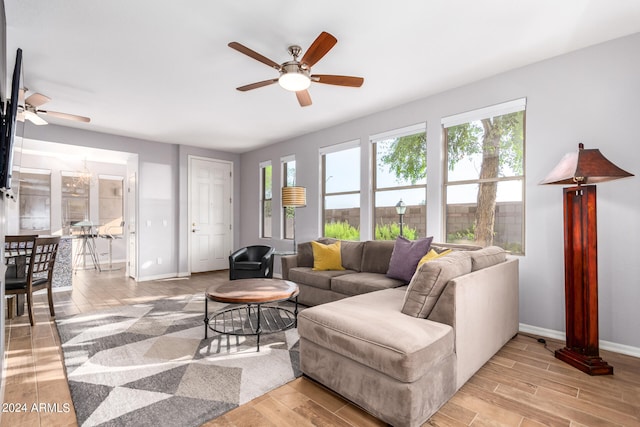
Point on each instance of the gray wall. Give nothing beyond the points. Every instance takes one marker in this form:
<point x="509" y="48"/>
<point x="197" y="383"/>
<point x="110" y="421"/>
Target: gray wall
<point x="162" y="193"/>
<point x="588" y="96"/>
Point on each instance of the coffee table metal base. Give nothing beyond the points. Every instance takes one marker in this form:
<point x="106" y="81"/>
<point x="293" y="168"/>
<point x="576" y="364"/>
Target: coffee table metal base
<point x="251" y="319"/>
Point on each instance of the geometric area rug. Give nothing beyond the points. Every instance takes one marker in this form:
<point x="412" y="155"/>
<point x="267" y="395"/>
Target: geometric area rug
<point x="148" y="364"/>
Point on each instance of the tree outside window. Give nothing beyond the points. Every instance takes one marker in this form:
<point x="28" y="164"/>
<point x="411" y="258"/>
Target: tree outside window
<point x="341" y="192"/>
<point x="484" y="185"/>
<point x="400" y="173"/>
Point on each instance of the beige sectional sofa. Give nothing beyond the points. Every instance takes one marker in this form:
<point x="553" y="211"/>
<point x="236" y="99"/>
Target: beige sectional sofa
<point x="401" y="352"/>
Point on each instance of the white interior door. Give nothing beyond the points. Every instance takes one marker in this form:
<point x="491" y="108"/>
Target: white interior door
<point x="210" y="214"/>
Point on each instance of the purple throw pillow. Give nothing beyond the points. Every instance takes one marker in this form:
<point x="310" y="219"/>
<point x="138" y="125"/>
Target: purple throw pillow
<point x="405" y="257"/>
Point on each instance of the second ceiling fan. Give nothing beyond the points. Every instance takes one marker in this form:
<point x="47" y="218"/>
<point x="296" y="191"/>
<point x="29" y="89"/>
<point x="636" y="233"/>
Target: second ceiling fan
<point x="295" y="75"/>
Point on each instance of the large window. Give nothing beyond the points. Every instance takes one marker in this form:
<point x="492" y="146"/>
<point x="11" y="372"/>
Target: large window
<point x="266" y="198"/>
<point x="289" y="180"/>
<point x="111" y="204"/>
<point x="341" y="191"/>
<point x="35" y="201"/>
<point x="484" y="180"/>
<point x="400" y="176"/>
<point x="75" y="199"/>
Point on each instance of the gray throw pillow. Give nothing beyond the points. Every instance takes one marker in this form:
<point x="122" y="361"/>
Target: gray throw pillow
<point x="405" y="257"/>
<point x="487" y="257"/>
<point x="429" y="281"/>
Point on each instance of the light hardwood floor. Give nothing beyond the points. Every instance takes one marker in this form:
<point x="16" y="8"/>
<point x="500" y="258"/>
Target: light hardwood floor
<point x="523" y="385"/>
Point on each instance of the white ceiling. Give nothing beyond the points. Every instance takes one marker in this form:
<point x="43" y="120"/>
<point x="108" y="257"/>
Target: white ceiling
<point x="162" y="71"/>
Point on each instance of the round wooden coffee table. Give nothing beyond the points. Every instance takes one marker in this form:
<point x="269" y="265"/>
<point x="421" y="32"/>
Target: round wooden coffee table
<point x="252" y="318"/>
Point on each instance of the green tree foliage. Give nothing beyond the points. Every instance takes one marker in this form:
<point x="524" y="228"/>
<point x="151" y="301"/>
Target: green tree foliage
<point x="407" y="158"/>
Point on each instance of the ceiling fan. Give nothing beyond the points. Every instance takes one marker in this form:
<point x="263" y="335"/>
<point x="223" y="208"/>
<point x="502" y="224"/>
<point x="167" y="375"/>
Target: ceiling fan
<point x="295" y="75"/>
<point x="28" y="109"/>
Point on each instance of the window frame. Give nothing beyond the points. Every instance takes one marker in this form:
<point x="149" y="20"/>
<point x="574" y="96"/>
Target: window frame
<point x="324" y="151"/>
<point x="387" y="136"/>
<point x="264" y="200"/>
<point x="475" y="115"/>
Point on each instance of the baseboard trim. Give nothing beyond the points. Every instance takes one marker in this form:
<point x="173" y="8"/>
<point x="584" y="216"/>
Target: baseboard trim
<point x="604" y="345"/>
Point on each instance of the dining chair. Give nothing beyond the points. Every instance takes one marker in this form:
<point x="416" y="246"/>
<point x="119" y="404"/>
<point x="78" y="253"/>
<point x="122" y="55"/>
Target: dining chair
<point x="39" y="273"/>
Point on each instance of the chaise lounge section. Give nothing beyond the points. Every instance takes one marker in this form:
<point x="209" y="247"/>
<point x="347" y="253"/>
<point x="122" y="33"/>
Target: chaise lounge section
<point x="402" y="352"/>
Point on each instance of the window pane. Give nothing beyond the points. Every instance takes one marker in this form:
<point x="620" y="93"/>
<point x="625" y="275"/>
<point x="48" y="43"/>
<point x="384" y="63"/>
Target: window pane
<point x="268" y="182"/>
<point x="462" y="208"/>
<point x="266" y="219"/>
<point x="502" y="152"/>
<point x="75" y="200"/>
<point x="414" y="219"/>
<point x="342" y="211"/>
<point x="266" y="196"/>
<point x="35" y="203"/>
<point x="111" y="206"/>
<point x="289" y="172"/>
<point x="401" y="161"/>
<point x="342" y="171"/>
<point x="342" y="217"/>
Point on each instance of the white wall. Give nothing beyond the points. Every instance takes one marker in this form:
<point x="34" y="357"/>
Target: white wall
<point x="161" y="192"/>
<point x="588" y="96"/>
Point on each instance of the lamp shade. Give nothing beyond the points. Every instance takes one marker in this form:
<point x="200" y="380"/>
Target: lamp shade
<point x="294" y="197"/>
<point x="586" y="166"/>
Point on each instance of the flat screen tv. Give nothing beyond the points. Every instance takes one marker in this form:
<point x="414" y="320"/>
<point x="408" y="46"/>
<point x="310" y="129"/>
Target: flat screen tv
<point x="8" y="126"/>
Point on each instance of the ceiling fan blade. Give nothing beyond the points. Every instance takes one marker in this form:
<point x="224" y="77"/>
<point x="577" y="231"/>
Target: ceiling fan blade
<point x="255" y="55"/>
<point x="66" y="116"/>
<point x="319" y="48"/>
<point x="337" y="80"/>
<point x="34" y="118"/>
<point x="37" y="99"/>
<point x="303" y="98"/>
<point x="257" y="85"/>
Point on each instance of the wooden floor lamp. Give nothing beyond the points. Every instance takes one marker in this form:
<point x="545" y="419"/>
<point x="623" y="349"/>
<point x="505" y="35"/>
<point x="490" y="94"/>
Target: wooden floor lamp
<point x="581" y="255"/>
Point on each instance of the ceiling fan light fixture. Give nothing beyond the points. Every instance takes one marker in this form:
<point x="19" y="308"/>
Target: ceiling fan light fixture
<point x="293" y="78"/>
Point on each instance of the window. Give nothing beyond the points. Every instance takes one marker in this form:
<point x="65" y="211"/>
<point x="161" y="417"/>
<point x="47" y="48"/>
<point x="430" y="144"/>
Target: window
<point x="266" y="197"/>
<point x="341" y="191"/>
<point x="289" y="179"/>
<point x="75" y="199"/>
<point x="35" y="201"/>
<point x="400" y="174"/>
<point x="111" y="204"/>
<point x="484" y="181"/>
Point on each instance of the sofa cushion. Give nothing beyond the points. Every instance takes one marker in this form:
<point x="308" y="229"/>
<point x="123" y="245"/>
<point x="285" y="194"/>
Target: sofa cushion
<point x="376" y="255"/>
<point x="351" y="252"/>
<point x="305" y="255"/>
<point x="405" y="257"/>
<point x="361" y="283"/>
<point x="487" y="257"/>
<point x="371" y="330"/>
<point x="317" y="279"/>
<point x="429" y="281"/>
